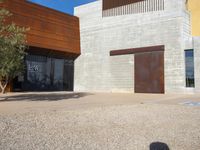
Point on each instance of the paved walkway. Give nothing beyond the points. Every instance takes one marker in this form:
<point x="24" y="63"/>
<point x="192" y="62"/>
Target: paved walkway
<point x="19" y="102"/>
<point x="62" y="120"/>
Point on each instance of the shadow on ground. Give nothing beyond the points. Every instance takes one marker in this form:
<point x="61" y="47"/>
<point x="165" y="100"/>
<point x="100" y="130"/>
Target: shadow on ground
<point x="43" y="97"/>
<point x="158" y="146"/>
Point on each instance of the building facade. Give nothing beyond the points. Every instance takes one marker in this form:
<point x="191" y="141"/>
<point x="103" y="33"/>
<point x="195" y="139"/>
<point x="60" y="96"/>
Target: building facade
<point x="138" y="46"/>
<point x="53" y="44"/>
<point x="141" y="46"/>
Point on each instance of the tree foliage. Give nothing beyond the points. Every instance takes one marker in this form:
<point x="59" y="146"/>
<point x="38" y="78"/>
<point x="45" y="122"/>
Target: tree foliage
<point x="12" y="49"/>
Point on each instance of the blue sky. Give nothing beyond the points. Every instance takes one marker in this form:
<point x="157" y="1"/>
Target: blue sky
<point x="66" y="6"/>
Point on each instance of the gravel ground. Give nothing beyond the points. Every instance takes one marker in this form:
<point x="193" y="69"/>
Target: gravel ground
<point x="116" y="127"/>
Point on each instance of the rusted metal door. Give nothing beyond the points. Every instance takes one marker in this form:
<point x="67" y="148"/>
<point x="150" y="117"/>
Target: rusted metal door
<point x="149" y="72"/>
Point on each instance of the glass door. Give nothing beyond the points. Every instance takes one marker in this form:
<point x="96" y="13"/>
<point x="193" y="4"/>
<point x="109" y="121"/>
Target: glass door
<point x="58" y="74"/>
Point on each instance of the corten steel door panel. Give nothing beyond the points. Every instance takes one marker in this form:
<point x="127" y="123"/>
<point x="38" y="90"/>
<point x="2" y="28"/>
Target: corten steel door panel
<point x="137" y="50"/>
<point x="49" y="29"/>
<point x="149" y="72"/>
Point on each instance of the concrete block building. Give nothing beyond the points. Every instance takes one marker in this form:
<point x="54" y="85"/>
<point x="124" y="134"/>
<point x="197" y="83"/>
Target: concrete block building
<point x="141" y="46"/>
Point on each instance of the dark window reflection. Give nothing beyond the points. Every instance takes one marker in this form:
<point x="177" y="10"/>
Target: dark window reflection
<point x="189" y="68"/>
<point x="48" y="74"/>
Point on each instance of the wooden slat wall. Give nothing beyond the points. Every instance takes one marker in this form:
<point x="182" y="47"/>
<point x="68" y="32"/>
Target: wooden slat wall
<point x="123" y="7"/>
<point x="49" y="29"/>
<point x="108" y="4"/>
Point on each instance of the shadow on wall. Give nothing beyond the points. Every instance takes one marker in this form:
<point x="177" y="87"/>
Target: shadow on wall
<point x="158" y="146"/>
<point x="43" y="97"/>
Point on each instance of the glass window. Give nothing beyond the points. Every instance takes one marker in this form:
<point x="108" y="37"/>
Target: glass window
<point x="189" y="68"/>
<point x="48" y="73"/>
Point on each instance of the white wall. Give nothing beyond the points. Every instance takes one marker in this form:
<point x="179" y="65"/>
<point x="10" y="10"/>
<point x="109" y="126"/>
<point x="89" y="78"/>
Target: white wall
<point x="196" y="41"/>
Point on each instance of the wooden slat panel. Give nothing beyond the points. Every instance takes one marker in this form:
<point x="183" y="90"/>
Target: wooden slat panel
<point x="48" y="28"/>
<point x="108" y="4"/>
<point x="131" y="7"/>
<point x="51" y="43"/>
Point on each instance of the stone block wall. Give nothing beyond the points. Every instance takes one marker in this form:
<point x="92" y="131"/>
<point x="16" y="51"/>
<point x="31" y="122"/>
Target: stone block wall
<point x="196" y="41"/>
<point x="96" y="70"/>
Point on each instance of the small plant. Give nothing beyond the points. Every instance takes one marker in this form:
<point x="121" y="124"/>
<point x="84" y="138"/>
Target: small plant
<point x="12" y="49"/>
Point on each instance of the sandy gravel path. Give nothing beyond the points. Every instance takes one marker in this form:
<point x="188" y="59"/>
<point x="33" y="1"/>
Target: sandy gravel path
<point x="112" y="126"/>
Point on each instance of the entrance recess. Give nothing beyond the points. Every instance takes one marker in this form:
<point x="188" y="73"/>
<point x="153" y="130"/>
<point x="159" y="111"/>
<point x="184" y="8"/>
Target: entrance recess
<point x="149" y="72"/>
<point x="46" y="74"/>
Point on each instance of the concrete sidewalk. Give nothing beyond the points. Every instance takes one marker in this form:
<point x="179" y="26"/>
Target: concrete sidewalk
<point x="14" y="102"/>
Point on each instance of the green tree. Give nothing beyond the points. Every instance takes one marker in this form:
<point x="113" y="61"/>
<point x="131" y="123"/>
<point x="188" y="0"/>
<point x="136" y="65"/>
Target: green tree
<point x="12" y="49"/>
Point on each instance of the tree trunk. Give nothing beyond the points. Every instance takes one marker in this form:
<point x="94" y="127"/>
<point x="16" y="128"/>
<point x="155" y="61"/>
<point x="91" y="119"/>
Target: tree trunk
<point x="3" y="85"/>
